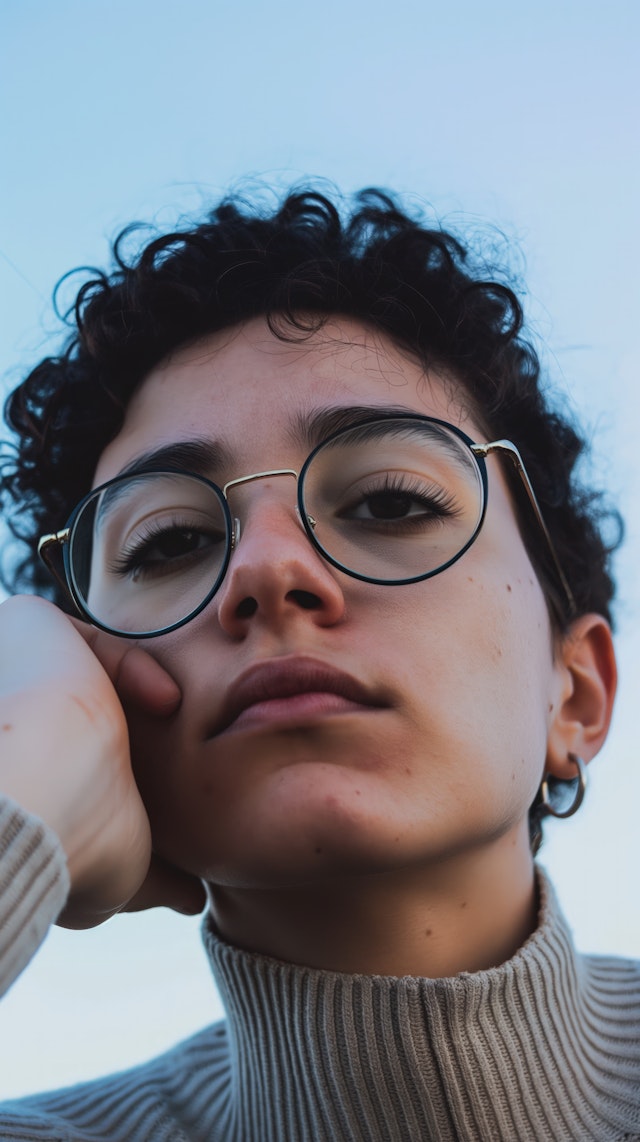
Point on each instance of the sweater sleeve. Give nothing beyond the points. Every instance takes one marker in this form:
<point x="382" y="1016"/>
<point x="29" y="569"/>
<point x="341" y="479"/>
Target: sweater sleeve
<point x="34" y="884"/>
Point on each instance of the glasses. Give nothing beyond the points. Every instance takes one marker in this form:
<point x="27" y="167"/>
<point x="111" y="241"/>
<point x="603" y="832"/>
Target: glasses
<point x="390" y="501"/>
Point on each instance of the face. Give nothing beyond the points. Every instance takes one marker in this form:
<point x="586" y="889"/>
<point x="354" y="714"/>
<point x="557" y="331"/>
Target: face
<point x="329" y="725"/>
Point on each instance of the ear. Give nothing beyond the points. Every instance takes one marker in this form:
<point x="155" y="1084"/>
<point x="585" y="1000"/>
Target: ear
<point x="587" y="677"/>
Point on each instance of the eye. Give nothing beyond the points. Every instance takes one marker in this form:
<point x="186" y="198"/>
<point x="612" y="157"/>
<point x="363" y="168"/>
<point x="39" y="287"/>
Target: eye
<point x="166" y="549"/>
<point x="173" y="543"/>
<point x="397" y="500"/>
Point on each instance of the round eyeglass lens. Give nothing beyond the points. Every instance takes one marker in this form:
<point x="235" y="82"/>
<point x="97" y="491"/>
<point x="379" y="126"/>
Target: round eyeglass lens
<point x="146" y="551"/>
<point x="393" y="500"/>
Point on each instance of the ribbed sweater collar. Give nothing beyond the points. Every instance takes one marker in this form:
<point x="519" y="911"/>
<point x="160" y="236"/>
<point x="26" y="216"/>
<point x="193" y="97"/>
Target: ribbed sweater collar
<point x="538" y="1048"/>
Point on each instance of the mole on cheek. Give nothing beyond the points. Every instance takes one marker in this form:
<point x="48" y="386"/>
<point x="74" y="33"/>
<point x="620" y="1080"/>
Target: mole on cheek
<point x="7" y="726"/>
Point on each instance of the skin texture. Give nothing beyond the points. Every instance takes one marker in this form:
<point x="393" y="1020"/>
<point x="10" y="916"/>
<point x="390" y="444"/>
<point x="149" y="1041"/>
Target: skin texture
<point x="387" y="839"/>
<point x="384" y="834"/>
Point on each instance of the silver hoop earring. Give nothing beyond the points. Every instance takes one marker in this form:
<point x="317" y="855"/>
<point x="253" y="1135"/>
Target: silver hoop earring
<point x="580" y="791"/>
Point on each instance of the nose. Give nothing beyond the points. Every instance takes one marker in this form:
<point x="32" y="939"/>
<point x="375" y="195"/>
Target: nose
<point x="275" y="576"/>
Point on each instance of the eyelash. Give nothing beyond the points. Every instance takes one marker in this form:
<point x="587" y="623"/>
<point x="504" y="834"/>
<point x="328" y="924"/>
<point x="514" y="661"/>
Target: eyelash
<point x="440" y="503"/>
<point x="131" y="559"/>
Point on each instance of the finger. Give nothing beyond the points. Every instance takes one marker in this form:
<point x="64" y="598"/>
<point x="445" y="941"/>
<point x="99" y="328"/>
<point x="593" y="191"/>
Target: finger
<point x="142" y="681"/>
<point x="138" y="677"/>
<point x="166" y="886"/>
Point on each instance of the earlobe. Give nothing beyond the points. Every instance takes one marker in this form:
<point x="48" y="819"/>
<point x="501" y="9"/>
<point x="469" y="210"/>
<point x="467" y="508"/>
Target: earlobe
<point x="587" y="676"/>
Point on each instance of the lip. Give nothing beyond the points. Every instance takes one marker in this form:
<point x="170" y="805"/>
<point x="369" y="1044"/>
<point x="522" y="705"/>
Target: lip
<point x="268" y="684"/>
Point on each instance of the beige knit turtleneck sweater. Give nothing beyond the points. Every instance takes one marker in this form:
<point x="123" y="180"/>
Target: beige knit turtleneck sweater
<point x="544" y="1047"/>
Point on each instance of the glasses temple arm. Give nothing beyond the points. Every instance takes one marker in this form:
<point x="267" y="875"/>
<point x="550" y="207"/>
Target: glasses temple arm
<point x="46" y="546"/>
<point x="516" y="459"/>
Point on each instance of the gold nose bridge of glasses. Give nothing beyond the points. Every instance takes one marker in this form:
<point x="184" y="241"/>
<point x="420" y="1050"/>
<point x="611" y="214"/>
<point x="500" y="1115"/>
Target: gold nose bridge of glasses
<point x="235" y="537"/>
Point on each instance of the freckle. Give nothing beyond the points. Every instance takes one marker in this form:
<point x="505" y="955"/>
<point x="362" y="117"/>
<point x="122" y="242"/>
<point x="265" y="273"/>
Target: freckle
<point x="357" y="792"/>
<point x="318" y="850"/>
<point x="428" y="931"/>
<point x="396" y="839"/>
<point x="509" y="588"/>
<point x="463" y="904"/>
<point x="469" y="579"/>
<point x="7" y="726"/>
<point x="550" y="706"/>
<point x="408" y="769"/>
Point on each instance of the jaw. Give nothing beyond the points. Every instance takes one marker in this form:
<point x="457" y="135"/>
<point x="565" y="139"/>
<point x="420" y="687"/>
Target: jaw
<point x="465" y="914"/>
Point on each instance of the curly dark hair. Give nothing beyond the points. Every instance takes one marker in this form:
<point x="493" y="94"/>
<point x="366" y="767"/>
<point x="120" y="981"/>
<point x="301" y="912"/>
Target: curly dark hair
<point x="296" y="265"/>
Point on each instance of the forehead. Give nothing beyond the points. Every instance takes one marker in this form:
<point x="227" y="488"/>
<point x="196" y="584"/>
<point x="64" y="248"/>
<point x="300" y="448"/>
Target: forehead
<point x="254" y="394"/>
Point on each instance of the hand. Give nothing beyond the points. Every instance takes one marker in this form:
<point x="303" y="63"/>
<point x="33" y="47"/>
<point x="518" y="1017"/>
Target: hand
<point x="65" y="756"/>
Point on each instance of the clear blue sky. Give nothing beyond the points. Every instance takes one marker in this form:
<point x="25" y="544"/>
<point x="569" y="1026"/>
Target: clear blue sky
<point x="523" y="115"/>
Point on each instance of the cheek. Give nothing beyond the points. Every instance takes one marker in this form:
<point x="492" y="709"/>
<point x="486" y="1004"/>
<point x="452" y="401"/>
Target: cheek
<point x="515" y="677"/>
<point x="157" y="754"/>
<point x="478" y="663"/>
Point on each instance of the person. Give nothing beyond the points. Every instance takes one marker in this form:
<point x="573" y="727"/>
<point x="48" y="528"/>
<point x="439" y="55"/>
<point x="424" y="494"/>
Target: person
<point x="328" y="632"/>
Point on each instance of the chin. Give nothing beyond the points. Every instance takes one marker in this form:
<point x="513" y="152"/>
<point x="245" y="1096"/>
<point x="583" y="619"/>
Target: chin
<point x="298" y="825"/>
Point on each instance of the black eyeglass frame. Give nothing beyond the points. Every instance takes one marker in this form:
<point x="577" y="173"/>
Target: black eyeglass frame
<point x="63" y="539"/>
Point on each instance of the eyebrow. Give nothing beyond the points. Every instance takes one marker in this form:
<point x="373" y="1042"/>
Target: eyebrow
<point x="203" y="456"/>
<point x="198" y="455"/>
<point x="313" y="427"/>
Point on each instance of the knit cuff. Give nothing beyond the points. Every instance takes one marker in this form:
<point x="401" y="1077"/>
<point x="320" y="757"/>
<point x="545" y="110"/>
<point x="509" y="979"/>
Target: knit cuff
<point x="34" y="884"/>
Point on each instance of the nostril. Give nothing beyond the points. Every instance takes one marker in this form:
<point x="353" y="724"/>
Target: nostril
<point x="247" y="608"/>
<point x="306" y="600"/>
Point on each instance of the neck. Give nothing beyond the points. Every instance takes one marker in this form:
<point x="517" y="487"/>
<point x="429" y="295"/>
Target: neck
<point x="468" y="913"/>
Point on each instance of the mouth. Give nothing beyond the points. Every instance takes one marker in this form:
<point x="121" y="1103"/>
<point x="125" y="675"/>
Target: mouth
<point x="292" y="689"/>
